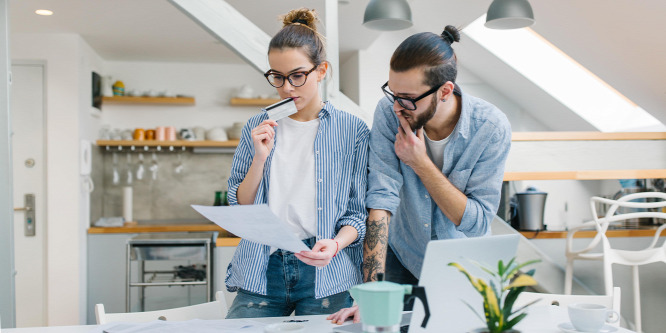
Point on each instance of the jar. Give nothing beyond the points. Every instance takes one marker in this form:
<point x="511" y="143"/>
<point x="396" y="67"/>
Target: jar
<point x="150" y="134"/>
<point x="119" y="88"/>
<point x="139" y="134"/>
<point x="234" y="133"/>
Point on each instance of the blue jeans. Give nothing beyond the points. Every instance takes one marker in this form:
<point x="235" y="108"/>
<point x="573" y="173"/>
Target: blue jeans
<point x="396" y="272"/>
<point x="290" y="288"/>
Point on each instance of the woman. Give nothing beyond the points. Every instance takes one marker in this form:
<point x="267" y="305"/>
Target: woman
<point x="311" y="169"/>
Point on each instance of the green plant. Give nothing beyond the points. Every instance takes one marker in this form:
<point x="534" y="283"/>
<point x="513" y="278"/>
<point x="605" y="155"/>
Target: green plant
<point x="501" y="292"/>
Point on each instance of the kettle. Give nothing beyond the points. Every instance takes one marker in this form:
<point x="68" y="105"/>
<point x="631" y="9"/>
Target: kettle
<point x="380" y="304"/>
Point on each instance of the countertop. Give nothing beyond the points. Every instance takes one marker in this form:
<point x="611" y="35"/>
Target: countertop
<point x="224" y="238"/>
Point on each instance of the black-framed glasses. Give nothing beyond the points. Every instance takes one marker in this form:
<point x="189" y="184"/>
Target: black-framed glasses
<point x="296" y="79"/>
<point x="405" y="102"/>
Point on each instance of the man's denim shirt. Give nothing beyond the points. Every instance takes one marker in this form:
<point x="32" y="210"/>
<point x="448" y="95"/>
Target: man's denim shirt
<point x="474" y="162"/>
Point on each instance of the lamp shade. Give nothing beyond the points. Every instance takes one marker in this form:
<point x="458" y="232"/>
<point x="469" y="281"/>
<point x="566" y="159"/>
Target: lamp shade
<point x="509" y="14"/>
<point x="388" y="15"/>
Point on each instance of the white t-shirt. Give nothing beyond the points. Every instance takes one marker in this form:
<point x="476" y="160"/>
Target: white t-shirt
<point x="436" y="149"/>
<point x="291" y="191"/>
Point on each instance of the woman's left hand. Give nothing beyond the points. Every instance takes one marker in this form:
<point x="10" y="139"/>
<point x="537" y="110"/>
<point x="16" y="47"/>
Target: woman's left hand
<point x="321" y="253"/>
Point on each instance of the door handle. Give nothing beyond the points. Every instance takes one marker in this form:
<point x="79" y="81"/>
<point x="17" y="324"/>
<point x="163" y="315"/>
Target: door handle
<point x="29" y="218"/>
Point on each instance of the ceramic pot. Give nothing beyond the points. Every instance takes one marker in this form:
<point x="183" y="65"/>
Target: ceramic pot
<point x="234" y="133"/>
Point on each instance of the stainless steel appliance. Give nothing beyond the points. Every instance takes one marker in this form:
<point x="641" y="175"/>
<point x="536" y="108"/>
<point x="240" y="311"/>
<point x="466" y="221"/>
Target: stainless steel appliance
<point x="531" y="204"/>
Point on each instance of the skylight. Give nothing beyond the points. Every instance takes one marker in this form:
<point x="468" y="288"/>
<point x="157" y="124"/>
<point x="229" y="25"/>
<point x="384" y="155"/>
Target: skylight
<point x="564" y="79"/>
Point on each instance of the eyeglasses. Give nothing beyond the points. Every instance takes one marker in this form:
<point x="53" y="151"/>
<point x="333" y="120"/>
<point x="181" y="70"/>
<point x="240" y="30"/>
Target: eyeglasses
<point x="407" y="103"/>
<point x="296" y="79"/>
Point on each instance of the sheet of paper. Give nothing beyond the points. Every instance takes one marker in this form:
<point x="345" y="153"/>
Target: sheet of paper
<point x="281" y="109"/>
<point x="195" y="325"/>
<point x="256" y="223"/>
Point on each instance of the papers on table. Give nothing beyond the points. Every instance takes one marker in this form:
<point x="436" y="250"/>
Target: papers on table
<point x="195" y="325"/>
<point x="256" y="223"/>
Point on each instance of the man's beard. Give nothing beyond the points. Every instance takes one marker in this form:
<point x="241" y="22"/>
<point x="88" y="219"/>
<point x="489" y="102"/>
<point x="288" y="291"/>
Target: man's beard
<point x="421" y="120"/>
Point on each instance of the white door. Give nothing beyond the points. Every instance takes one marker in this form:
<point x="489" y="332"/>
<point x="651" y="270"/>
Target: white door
<point x="29" y="163"/>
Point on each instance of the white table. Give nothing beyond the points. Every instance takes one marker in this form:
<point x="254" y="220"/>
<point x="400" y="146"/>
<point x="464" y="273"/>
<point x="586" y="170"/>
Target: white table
<point x="542" y="319"/>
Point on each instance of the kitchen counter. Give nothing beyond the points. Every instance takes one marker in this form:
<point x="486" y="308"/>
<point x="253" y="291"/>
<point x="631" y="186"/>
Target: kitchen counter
<point x="224" y="238"/>
<point x="642" y="232"/>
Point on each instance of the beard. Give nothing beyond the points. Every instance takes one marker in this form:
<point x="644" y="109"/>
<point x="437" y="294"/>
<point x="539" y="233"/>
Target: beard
<point x="423" y="118"/>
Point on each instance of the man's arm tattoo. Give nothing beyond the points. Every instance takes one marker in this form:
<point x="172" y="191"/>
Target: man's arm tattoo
<point x="371" y="266"/>
<point x="376" y="232"/>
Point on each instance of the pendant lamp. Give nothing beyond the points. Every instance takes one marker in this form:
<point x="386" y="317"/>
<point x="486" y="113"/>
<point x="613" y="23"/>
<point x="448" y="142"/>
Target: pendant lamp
<point x="509" y="14"/>
<point x="388" y="15"/>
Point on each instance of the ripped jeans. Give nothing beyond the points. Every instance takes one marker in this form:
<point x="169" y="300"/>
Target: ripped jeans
<point x="290" y="288"/>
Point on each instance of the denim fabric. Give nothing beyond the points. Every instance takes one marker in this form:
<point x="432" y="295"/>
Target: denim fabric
<point x="291" y="287"/>
<point x="474" y="162"/>
<point x="396" y="272"/>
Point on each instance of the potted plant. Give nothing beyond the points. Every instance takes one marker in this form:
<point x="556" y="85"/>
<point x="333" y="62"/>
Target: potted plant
<point x="500" y="294"/>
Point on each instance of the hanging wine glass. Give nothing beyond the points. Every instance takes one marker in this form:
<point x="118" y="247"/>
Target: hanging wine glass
<point x="154" y="167"/>
<point x="129" y="174"/>
<point x="179" y="165"/>
<point x="115" y="177"/>
<point x="140" y="169"/>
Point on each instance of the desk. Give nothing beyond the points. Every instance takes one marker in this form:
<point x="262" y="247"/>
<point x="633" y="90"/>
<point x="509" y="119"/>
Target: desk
<point x="542" y="319"/>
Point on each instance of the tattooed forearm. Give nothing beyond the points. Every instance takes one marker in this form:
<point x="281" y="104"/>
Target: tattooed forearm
<point x="372" y="265"/>
<point x="376" y="232"/>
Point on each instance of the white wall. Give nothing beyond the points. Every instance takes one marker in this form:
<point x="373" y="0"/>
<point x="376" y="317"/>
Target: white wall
<point x="211" y="84"/>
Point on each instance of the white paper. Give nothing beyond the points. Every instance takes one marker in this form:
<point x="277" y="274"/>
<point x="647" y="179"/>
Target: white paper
<point x="281" y="109"/>
<point x="256" y="223"/>
<point x="195" y="325"/>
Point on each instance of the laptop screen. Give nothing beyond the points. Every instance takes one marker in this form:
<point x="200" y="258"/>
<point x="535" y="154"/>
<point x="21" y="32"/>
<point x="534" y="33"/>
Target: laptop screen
<point x="448" y="289"/>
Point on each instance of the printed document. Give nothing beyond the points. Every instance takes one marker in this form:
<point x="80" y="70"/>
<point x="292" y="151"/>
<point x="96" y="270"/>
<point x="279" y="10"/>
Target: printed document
<point x="256" y="223"/>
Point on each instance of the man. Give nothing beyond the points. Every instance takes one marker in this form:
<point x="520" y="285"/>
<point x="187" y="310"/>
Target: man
<point x="436" y="161"/>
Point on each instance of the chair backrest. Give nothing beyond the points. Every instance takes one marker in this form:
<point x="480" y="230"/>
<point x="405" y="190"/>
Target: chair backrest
<point x="211" y="310"/>
<point x="609" y="301"/>
<point x="640" y="200"/>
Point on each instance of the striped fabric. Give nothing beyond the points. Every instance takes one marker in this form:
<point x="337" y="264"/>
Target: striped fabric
<point x="341" y="156"/>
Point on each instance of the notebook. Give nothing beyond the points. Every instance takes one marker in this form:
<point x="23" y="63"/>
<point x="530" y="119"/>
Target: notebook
<point x="447" y="288"/>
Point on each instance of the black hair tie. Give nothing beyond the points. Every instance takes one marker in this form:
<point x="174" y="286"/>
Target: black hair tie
<point x="448" y="37"/>
<point x="301" y="21"/>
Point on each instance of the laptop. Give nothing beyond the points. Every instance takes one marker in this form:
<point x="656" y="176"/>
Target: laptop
<point x="448" y="289"/>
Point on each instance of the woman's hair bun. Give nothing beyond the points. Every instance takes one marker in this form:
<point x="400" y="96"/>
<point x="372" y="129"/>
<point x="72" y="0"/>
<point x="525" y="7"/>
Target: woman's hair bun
<point x="304" y="16"/>
<point x="451" y="34"/>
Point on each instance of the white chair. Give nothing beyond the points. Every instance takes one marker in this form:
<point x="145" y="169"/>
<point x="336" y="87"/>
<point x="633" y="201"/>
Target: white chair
<point x="633" y="258"/>
<point x="211" y="310"/>
<point x="601" y="225"/>
<point x="611" y="301"/>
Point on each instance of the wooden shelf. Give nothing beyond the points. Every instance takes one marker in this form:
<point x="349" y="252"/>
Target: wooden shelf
<point x="177" y="143"/>
<point x="586" y="136"/>
<point x="647" y="232"/>
<point x="586" y="175"/>
<point x="253" y="101"/>
<point x="148" y="100"/>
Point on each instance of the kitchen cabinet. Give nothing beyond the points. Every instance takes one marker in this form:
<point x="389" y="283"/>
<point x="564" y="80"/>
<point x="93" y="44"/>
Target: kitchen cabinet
<point x="148" y="100"/>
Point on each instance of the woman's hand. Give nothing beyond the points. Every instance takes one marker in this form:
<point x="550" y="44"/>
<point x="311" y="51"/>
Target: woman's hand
<point x="263" y="137"/>
<point x="321" y="253"/>
<point x="341" y="316"/>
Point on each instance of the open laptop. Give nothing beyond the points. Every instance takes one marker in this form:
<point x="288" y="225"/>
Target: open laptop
<point x="448" y="289"/>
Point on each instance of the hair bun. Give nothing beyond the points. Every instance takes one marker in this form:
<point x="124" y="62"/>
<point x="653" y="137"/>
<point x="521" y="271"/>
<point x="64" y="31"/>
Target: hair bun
<point x="451" y="34"/>
<point x="304" y="16"/>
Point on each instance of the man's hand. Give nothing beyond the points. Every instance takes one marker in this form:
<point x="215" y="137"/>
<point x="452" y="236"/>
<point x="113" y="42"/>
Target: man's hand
<point x="409" y="147"/>
<point x="321" y="253"/>
<point x="341" y="316"/>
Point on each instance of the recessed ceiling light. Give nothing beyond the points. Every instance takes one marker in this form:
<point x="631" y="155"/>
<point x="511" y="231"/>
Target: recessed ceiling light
<point x="44" y="12"/>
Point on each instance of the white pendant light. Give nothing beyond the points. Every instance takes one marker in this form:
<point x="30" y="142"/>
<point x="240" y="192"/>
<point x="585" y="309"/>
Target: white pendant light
<point x="388" y="15"/>
<point x="509" y="14"/>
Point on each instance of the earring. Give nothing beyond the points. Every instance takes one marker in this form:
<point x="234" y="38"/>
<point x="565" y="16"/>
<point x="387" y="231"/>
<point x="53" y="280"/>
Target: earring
<point x="444" y="100"/>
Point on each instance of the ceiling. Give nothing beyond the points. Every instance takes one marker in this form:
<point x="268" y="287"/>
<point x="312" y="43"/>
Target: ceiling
<point x="620" y="41"/>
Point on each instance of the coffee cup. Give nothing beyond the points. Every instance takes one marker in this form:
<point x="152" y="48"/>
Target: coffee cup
<point x="588" y="317"/>
<point x="284" y="327"/>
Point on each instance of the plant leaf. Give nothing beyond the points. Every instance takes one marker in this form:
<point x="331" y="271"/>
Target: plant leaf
<point x="522" y="280"/>
<point x="514" y="270"/>
<point x="472" y="279"/>
<point x="475" y="312"/>
<point x="515" y="320"/>
<point x="507" y="268"/>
